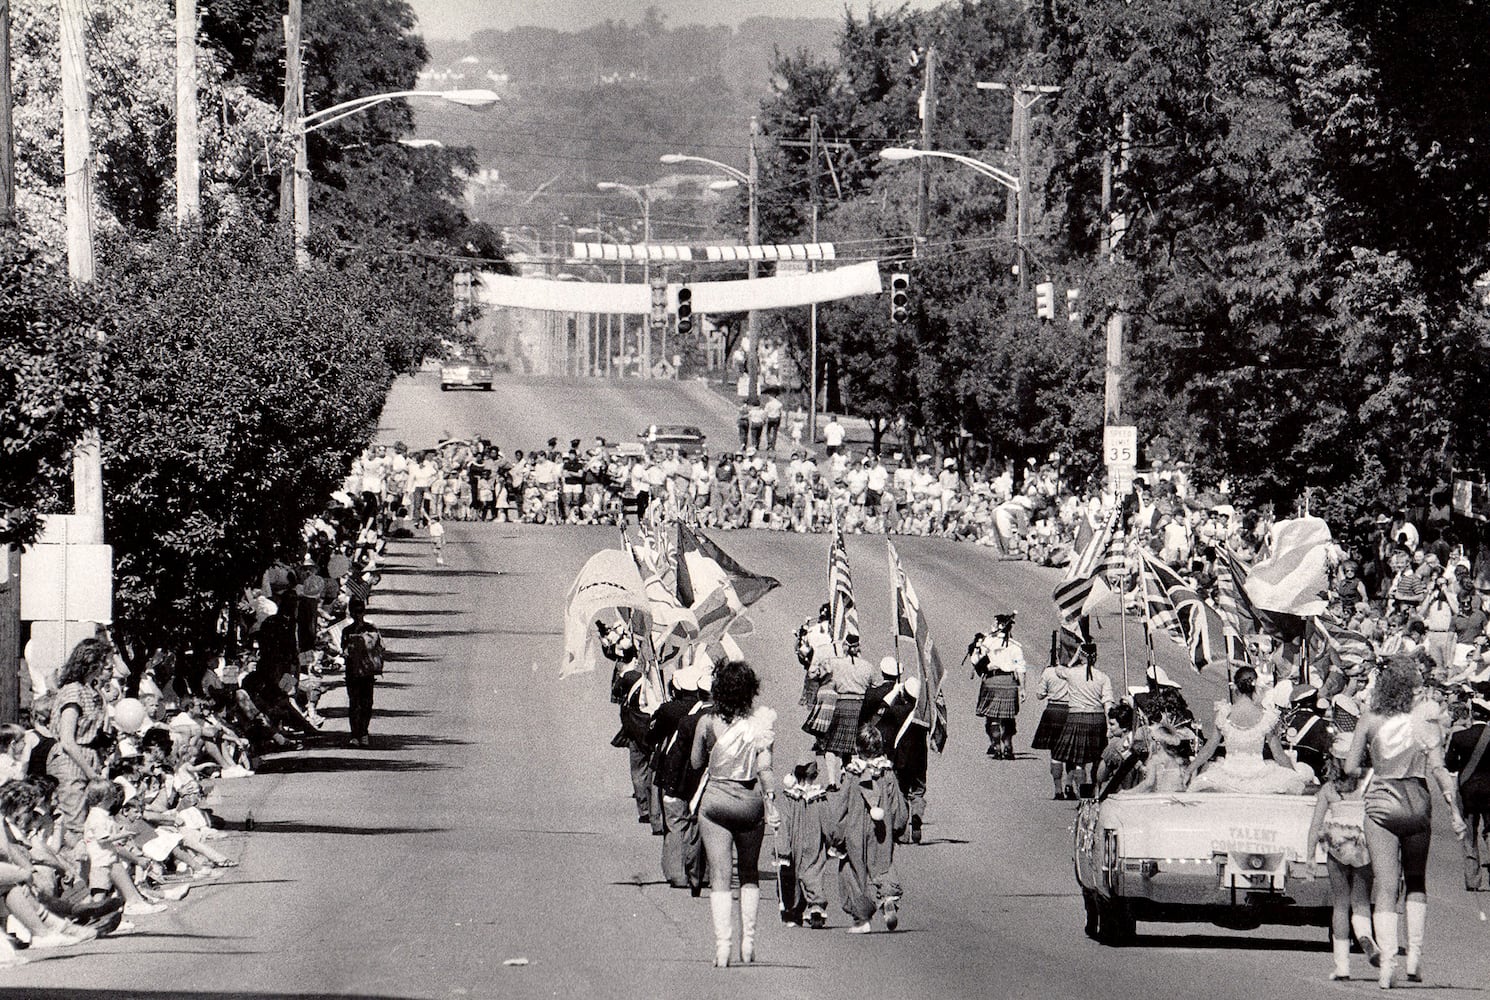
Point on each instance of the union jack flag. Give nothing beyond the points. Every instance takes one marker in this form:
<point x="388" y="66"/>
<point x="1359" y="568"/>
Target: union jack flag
<point x="911" y="624"/>
<point x="1176" y="608"/>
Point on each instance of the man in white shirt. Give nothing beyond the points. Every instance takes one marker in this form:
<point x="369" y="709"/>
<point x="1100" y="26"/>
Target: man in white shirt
<point x="856" y="478"/>
<point x="833" y="434"/>
<point x="877" y="478"/>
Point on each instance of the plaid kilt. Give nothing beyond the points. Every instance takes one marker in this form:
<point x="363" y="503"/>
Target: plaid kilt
<point x="843" y="732"/>
<point x="1052" y="721"/>
<point x="810" y="686"/>
<point x="998" y="697"/>
<point x="1082" y="739"/>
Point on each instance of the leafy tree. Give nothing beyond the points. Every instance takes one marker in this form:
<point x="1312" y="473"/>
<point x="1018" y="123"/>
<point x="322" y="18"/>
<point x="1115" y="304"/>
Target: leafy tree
<point x="240" y="388"/>
<point x="51" y="377"/>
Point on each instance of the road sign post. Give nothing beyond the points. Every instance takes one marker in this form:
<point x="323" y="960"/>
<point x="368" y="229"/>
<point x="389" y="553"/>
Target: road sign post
<point x="1120" y="455"/>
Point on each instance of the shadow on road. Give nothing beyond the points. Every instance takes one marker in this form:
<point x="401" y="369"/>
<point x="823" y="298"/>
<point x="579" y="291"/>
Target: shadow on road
<point x="135" y="993"/>
<point x="432" y="633"/>
<point x="445" y="571"/>
<point x="1219" y="943"/>
<point x="380" y="713"/>
<point x="416" y="612"/>
<point x="397" y="592"/>
<point x="410" y="741"/>
<point x="333" y="765"/>
<point x="295" y="826"/>
<point x="393" y="656"/>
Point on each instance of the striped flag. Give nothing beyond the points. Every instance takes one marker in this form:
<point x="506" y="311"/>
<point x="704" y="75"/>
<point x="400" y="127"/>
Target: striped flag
<point x="843" y="615"/>
<point x="1333" y="641"/>
<point x="911" y="624"/>
<point x="1083" y="587"/>
<point x="1236" y="609"/>
<point x="1176" y="607"/>
<point x="1293" y="579"/>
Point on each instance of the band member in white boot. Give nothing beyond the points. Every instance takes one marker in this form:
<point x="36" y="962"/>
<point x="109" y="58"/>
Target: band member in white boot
<point x="1404" y="752"/>
<point x="733" y="743"/>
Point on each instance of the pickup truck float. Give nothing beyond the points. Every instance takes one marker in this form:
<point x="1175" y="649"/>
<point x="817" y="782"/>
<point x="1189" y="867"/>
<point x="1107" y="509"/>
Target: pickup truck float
<point x="1233" y="860"/>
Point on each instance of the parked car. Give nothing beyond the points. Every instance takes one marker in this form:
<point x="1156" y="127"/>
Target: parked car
<point x="673" y="436"/>
<point x="469" y="371"/>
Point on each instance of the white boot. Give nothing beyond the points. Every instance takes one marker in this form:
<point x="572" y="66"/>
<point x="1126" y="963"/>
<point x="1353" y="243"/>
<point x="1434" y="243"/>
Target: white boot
<point x="1360" y="926"/>
<point x="1386" y="939"/>
<point x="1417" y="924"/>
<point x="721" y="906"/>
<point x="750" y="897"/>
<point x="1341" y="948"/>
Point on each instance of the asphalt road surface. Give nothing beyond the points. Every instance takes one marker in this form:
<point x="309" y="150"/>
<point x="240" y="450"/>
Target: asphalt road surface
<point x="490" y="822"/>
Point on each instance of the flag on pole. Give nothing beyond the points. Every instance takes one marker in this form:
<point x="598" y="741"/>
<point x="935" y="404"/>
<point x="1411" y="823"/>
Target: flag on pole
<point x="1293" y="579"/>
<point x="1176" y="607"/>
<point x="911" y="624"/>
<point x="1348" y="649"/>
<point x="751" y="587"/>
<point x="1232" y="603"/>
<point x="1083" y="587"/>
<point x="609" y="586"/>
<point x="705" y="587"/>
<point x="843" y="615"/>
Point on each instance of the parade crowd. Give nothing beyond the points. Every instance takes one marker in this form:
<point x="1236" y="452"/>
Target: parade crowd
<point x="108" y="788"/>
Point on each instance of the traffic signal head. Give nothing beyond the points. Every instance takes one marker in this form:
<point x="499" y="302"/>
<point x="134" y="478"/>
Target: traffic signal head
<point x="685" y="309"/>
<point x="659" y="303"/>
<point x="1045" y="300"/>
<point x="900" y="297"/>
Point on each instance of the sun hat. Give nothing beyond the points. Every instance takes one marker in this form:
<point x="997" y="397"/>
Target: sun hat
<point x="949" y="463"/>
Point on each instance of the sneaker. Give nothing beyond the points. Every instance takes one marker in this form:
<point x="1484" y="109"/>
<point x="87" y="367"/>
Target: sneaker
<point x="863" y="928"/>
<point x="143" y="909"/>
<point x="892" y="915"/>
<point x="817" y="920"/>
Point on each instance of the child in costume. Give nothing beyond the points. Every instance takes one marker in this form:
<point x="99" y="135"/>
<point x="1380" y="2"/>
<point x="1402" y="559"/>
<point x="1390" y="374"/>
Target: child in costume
<point x="870" y="812"/>
<point x="802" y="847"/>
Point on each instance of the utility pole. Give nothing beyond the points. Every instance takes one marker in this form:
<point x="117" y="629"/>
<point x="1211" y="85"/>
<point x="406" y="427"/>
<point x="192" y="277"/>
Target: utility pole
<point x="812" y="322"/>
<point x="1025" y="96"/>
<point x="77" y="164"/>
<point x="294" y="182"/>
<point x="1116" y="323"/>
<point x="7" y="129"/>
<point x="188" y="171"/>
<point x="928" y="130"/>
<point x="752" y="324"/>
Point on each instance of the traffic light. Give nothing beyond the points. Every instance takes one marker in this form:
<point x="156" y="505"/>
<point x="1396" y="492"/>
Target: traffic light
<point x="659" y="302"/>
<point x="1045" y="300"/>
<point x="685" y="309"/>
<point x="900" y="297"/>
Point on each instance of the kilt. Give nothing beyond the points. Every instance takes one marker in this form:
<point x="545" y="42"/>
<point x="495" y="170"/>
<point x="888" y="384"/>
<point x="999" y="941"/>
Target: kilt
<point x="998" y="697"/>
<point x="1082" y="739"/>
<point x="1052" y="721"/>
<point x="810" y="685"/>
<point x="843" y="732"/>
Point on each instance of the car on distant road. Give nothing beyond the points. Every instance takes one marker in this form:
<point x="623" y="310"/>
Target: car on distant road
<point x="469" y="371"/>
<point x="673" y="436"/>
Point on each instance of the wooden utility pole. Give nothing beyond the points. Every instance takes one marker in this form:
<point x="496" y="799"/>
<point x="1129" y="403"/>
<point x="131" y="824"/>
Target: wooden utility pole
<point x="188" y="169"/>
<point x="928" y="131"/>
<point x="77" y="164"/>
<point x="294" y="181"/>
<point x="812" y="319"/>
<point x="1026" y="96"/>
<point x="1112" y="408"/>
<point x="752" y="321"/>
<point x="7" y="126"/>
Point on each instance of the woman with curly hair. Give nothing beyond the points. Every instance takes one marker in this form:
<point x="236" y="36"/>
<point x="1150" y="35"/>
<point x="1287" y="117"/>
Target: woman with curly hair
<point x="80" y="718"/>
<point x="732" y="746"/>
<point x="1404" y="751"/>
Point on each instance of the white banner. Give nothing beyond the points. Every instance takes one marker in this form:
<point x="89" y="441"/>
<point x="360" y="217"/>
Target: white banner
<point x="780" y="292"/>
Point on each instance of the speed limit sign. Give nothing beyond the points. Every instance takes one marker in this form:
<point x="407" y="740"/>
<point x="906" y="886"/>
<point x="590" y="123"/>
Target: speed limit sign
<point x="1120" y="446"/>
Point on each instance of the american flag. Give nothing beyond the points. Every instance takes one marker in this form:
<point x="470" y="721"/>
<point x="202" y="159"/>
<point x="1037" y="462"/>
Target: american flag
<point x="844" y="616"/>
<point x="1333" y="641"/>
<point x="1074" y="594"/>
<point x="911" y="624"/>
<point x="1176" y="607"/>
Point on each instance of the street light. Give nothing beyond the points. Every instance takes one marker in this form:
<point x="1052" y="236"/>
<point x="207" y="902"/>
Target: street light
<point x="306" y="124"/>
<point x="750" y="178"/>
<point x="896" y="154"/>
<point x="644" y="196"/>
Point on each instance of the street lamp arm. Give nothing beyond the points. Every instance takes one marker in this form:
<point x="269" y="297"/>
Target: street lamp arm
<point x="734" y="172"/>
<point x="320" y="119"/>
<point x="1003" y="177"/>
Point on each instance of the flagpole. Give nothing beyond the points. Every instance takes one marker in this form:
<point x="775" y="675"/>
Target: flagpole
<point x="894" y="604"/>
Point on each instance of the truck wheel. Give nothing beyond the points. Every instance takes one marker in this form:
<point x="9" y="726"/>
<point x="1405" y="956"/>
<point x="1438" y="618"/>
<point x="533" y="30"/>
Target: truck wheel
<point x="1115" y="923"/>
<point x="1089" y="903"/>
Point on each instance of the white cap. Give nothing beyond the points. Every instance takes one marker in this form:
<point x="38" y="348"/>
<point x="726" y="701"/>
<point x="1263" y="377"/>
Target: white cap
<point x="912" y="686"/>
<point x="889" y="666"/>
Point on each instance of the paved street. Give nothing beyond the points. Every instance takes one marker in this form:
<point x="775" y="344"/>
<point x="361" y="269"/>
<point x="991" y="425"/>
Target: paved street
<point x="491" y="821"/>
